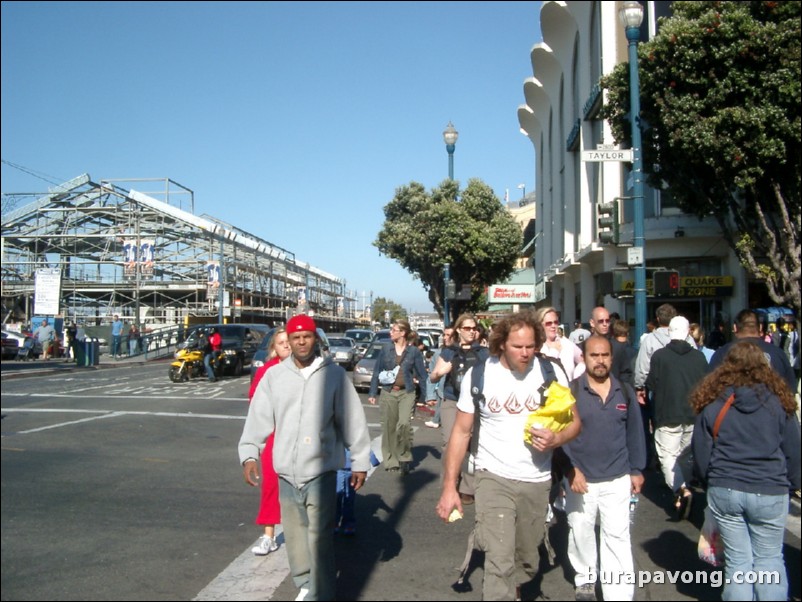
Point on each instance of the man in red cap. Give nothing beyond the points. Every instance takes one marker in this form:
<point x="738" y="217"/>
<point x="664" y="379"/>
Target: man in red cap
<point x="316" y="414"/>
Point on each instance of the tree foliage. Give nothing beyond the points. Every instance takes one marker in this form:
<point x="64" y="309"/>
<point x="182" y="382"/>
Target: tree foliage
<point x="475" y="234"/>
<point x="720" y="89"/>
<point x="382" y="305"/>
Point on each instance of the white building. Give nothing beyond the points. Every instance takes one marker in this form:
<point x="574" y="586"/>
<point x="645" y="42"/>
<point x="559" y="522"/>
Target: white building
<point x="582" y="41"/>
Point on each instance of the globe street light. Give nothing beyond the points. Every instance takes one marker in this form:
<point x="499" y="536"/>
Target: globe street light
<point x="522" y="187"/>
<point x="450" y="136"/>
<point x="631" y="15"/>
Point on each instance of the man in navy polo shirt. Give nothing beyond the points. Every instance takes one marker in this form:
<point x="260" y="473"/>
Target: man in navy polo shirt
<point x="603" y="466"/>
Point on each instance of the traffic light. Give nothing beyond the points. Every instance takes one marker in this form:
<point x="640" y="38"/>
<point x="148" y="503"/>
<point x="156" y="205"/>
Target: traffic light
<point x="607" y="221"/>
<point x="666" y="282"/>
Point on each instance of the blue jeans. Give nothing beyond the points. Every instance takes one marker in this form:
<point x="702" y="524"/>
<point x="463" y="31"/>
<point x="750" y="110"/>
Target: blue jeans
<point x="308" y="517"/>
<point x="116" y="339"/>
<point x="207" y="361"/>
<point x="752" y="526"/>
<point x="345" y="500"/>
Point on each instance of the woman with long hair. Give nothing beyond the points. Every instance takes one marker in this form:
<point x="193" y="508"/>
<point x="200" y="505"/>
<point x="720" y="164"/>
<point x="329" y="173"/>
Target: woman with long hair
<point x="559" y="347"/>
<point x="746" y="451"/>
<point x="269" y="509"/>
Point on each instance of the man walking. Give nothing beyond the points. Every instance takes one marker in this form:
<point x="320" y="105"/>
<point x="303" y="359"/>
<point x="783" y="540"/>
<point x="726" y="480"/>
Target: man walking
<point x="603" y="466"/>
<point x="46" y="335"/>
<point x="116" y="337"/>
<point x="316" y="414"/>
<point x="674" y="372"/>
<point x="512" y="478"/>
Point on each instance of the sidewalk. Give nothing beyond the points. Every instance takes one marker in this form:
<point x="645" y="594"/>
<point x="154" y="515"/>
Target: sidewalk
<point x="34" y="367"/>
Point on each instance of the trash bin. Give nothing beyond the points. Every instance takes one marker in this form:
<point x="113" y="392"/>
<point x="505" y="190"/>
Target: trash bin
<point x="79" y="348"/>
<point x="90" y="349"/>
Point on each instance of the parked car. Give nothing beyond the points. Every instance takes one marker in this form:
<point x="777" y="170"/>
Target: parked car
<point x="240" y="343"/>
<point x="435" y="333"/>
<point x="20" y="337"/>
<point x="343" y="351"/>
<point x="260" y="357"/>
<point x="362" y="336"/>
<point x="363" y="371"/>
<point x="10" y="347"/>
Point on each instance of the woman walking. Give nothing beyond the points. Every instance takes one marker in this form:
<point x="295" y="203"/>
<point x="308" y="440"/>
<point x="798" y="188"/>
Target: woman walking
<point x="746" y="450"/>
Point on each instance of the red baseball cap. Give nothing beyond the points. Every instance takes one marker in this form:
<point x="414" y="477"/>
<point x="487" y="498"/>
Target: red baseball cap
<point x="301" y="322"/>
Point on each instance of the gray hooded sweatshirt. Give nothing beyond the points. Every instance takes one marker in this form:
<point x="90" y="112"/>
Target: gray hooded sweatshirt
<point x="314" y="420"/>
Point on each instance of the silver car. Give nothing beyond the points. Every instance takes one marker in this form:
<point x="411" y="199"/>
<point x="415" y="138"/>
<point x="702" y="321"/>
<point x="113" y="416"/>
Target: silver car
<point x="343" y="351"/>
<point x="363" y="372"/>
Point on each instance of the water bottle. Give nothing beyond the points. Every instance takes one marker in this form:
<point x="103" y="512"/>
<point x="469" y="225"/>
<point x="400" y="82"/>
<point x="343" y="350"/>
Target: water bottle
<point x="633" y="504"/>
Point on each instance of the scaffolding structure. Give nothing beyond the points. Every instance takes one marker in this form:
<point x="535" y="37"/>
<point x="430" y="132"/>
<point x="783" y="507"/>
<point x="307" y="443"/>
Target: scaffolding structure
<point x="147" y="257"/>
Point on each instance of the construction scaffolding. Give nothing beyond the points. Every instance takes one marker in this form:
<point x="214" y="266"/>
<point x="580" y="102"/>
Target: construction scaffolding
<point x="147" y="257"/>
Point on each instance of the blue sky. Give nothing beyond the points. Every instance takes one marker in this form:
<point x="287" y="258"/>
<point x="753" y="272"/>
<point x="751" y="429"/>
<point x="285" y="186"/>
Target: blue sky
<point x="295" y="121"/>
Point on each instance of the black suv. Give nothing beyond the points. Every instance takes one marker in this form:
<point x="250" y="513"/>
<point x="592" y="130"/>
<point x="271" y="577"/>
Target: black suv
<point x="260" y="358"/>
<point x="240" y="342"/>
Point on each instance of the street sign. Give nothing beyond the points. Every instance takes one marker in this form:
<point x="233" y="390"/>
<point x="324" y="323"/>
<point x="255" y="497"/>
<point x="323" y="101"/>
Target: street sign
<point x="607" y="155"/>
<point x="634" y="255"/>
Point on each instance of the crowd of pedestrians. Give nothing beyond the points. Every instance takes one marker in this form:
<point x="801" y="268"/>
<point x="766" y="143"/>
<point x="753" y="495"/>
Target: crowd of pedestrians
<point x="660" y="406"/>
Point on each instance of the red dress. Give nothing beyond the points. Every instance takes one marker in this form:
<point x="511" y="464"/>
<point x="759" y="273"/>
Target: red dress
<point x="269" y="508"/>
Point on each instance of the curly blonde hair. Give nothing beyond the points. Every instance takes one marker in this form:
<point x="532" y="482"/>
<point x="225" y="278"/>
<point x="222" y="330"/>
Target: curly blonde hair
<point x="743" y="366"/>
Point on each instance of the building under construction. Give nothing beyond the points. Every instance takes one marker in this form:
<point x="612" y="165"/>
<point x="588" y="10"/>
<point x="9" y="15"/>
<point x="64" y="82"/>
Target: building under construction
<point x="88" y="250"/>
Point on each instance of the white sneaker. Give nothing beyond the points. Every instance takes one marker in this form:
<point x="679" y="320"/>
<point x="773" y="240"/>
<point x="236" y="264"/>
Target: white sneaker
<point x="265" y="546"/>
<point x="432" y="425"/>
<point x="302" y="594"/>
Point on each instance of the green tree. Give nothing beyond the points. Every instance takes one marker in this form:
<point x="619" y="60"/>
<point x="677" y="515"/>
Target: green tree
<point x="381" y="305"/>
<point x="720" y="89"/>
<point x="475" y="234"/>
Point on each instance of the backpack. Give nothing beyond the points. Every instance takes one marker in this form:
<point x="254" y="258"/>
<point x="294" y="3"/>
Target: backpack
<point x="463" y="360"/>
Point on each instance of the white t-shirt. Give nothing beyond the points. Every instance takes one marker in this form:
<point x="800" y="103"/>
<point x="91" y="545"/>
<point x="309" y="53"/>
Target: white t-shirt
<point x="509" y="399"/>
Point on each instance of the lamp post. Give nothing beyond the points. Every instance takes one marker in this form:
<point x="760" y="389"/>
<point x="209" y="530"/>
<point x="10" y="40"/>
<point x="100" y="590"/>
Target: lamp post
<point x="450" y="136"/>
<point x="522" y="188"/>
<point x="631" y="15"/>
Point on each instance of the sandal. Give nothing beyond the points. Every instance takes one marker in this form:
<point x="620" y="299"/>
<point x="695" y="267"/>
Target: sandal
<point x="683" y="503"/>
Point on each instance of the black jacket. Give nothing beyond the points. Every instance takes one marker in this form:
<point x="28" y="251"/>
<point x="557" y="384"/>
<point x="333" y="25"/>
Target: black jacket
<point x="674" y="371"/>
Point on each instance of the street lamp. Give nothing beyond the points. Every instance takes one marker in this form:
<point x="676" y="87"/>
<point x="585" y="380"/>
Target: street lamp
<point x="631" y="15"/>
<point x="450" y="136"/>
<point x="523" y="188"/>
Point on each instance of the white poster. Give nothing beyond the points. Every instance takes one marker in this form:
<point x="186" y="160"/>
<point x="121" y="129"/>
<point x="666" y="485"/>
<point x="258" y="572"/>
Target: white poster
<point x="47" y="294"/>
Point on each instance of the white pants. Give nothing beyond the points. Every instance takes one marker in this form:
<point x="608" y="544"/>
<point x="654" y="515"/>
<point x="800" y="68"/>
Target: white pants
<point x="609" y="500"/>
<point x="673" y="445"/>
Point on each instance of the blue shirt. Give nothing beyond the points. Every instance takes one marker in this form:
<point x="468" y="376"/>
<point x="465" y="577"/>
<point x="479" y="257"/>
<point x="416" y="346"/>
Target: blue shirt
<point x="116" y="328"/>
<point x="611" y="443"/>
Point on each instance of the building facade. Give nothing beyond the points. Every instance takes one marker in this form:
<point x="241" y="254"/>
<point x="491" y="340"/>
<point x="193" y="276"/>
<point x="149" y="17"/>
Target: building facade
<point x="573" y="270"/>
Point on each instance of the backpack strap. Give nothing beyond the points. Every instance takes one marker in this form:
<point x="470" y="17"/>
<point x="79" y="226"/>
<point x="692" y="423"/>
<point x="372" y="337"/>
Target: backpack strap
<point x="548" y="370"/>
<point x="477" y="388"/>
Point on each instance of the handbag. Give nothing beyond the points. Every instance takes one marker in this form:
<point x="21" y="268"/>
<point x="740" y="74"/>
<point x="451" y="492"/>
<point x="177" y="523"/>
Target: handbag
<point x="710" y="548"/>
<point x="387" y="377"/>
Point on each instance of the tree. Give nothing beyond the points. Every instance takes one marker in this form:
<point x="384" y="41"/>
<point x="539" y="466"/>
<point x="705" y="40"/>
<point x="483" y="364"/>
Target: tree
<point x="382" y="305"/>
<point x="720" y="89"/>
<point x="475" y="235"/>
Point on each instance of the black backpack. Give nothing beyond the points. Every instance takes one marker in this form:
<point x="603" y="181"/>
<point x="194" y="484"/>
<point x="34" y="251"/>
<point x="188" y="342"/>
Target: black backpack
<point x="463" y="360"/>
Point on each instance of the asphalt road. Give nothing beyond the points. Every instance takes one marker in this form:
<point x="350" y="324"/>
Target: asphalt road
<point x="120" y="485"/>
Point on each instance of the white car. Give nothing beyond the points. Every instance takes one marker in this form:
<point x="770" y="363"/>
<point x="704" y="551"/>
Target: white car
<point x="344" y="351"/>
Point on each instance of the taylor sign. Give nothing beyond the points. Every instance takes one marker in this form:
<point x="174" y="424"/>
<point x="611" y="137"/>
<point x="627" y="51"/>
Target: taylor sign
<point x="511" y="293"/>
<point x="607" y="155"/>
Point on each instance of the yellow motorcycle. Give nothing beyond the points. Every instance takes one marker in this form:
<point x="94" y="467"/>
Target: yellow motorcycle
<point x="188" y="364"/>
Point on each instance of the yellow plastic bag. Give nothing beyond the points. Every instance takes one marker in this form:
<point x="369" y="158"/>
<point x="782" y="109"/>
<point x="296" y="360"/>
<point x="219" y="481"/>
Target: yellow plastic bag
<point x="555" y="414"/>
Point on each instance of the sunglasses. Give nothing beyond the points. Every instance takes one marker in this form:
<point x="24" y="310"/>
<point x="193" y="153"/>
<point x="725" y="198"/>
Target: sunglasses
<point x="551" y="323"/>
<point x="602" y="321"/>
<point x="468" y="328"/>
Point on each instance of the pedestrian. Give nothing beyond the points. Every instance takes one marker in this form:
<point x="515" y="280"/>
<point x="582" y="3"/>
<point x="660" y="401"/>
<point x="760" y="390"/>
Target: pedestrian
<point x="46" y="335"/>
<point x="746" y="452"/>
<point x="674" y="372"/>
<point x="465" y="352"/>
<point x="558" y="347"/>
<point x="603" y="467"/>
<point x="434" y="391"/>
<point x="116" y="337"/>
<point x="398" y="365"/>
<point x="212" y="348"/>
<point x="746" y="328"/>
<point x="71" y="333"/>
<point x="624" y="354"/>
<point x="345" y="521"/>
<point x="579" y="333"/>
<point x="311" y="405"/>
<point x="133" y="340"/>
<point x="513" y="479"/>
<point x="269" y="514"/>
<point x="698" y="336"/>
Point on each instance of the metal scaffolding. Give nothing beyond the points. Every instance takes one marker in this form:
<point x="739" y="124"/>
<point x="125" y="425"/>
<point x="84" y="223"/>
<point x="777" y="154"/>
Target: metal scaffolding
<point x="147" y="257"/>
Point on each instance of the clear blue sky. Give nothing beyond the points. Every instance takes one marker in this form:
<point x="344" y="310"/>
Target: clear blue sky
<point x="295" y="121"/>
